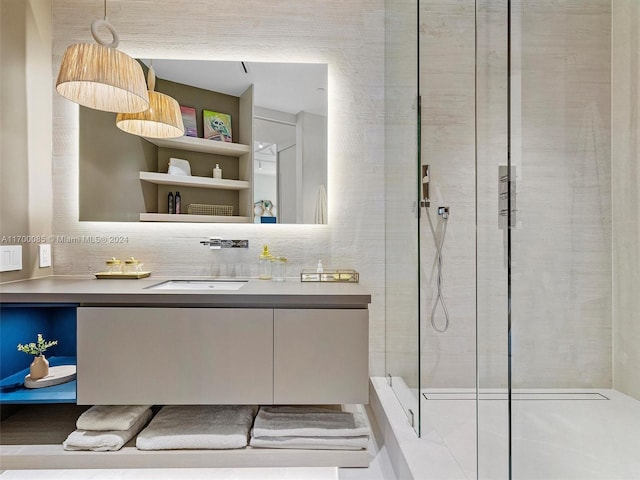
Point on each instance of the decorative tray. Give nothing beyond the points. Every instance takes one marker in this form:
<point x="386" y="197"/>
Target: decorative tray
<point x="329" y="275"/>
<point x="120" y="276"/>
<point x="57" y="375"/>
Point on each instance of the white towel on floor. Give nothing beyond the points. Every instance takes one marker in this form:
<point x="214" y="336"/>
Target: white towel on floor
<point x="198" y="427"/>
<point x="312" y="443"/>
<point x="105" y="441"/>
<point x="308" y="422"/>
<point x="111" y="417"/>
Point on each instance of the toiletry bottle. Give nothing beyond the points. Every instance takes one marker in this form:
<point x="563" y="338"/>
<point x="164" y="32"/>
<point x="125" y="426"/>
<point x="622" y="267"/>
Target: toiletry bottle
<point x="279" y="269"/>
<point x="320" y="270"/>
<point x="171" y="206"/>
<point x="264" y="264"/>
<point x="178" y="203"/>
<point x="217" y="172"/>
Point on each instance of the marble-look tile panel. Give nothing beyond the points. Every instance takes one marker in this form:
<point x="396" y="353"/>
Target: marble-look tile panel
<point x="349" y="37"/>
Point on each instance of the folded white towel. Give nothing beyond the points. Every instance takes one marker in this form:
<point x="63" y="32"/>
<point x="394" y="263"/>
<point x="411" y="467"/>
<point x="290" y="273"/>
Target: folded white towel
<point x="110" y="417"/>
<point x="308" y="422"/>
<point x="105" y="441"/>
<point x="198" y="427"/>
<point x="312" y="443"/>
<point x="178" y="166"/>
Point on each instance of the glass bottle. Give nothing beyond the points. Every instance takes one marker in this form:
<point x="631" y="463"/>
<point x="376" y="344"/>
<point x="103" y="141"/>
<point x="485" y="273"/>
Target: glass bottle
<point x="279" y="269"/>
<point x="114" y="266"/>
<point x="132" y="265"/>
<point x="264" y="264"/>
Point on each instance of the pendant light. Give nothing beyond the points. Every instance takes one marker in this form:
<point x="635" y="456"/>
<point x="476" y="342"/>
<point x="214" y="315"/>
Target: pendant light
<point x="162" y="119"/>
<point x="100" y="76"/>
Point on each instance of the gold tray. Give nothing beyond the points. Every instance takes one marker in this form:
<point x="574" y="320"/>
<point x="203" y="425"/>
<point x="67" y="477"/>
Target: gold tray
<point x="330" y="275"/>
<point x="120" y="276"/>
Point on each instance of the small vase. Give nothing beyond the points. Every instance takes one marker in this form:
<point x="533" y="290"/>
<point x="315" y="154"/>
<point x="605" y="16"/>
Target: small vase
<point x="39" y="368"/>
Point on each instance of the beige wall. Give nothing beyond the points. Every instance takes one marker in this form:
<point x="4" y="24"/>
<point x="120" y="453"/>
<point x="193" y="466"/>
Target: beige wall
<point x="348" y="36"/>
<point x="561" y="264"/>
<point x="25" y="146"/>
<point x="626" y="196"/>
<point x="562" y="323"/>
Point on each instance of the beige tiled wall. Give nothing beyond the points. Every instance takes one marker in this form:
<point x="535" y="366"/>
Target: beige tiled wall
<point x="626" y="196"/>
<point x="561" y="265"/>
<point x="348" y="36"/>
<point x="562" y="326"/>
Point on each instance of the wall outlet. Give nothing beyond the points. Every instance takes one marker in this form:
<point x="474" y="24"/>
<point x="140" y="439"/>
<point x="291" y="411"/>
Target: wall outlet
<point x="44" y="252"/>
<point x="10" y="258"/>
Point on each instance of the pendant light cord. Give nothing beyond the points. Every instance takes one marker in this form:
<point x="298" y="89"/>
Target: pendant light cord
<point x="106" y="24"/>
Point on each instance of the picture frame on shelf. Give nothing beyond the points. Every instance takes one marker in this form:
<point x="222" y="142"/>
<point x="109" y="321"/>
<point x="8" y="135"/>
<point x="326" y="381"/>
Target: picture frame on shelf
<point x="189" y="120"/>
<point x="217" y="126"/>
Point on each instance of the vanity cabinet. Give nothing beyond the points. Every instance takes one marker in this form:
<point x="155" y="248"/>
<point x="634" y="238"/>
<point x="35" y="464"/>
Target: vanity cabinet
<point x="321" y="356"/>
<point x="174" y="356"/>
<point x="147" y="355"/>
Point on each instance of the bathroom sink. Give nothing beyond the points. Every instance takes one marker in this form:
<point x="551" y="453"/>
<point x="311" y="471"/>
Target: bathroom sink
<point x="218" y="285"/>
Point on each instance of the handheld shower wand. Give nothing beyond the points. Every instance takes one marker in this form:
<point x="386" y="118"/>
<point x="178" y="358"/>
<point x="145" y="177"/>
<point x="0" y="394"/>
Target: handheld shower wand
<point x="444" y="212"/>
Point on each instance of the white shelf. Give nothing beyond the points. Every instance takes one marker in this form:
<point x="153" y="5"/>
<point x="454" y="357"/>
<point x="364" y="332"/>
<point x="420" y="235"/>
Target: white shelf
<point x="166" y="217"/>
<point x="203" y="145"/>
<point x="192" y="181"/>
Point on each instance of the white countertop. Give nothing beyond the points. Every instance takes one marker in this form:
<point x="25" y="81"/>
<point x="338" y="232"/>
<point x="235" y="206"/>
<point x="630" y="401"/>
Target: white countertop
<point x="87" y="290"/>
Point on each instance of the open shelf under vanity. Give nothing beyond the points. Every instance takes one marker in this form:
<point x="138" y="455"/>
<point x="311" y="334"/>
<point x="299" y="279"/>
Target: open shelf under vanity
<point x="33" y="437"/>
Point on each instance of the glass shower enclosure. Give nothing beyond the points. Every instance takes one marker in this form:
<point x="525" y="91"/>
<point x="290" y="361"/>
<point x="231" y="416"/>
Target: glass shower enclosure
<point x="512" y="325"/>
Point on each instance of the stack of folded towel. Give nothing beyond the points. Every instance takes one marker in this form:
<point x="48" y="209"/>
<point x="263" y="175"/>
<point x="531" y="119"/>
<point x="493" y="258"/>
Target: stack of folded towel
<point x="198" y="427"/>
<point x="309" y="428"/>
<point x="105" y="428"/>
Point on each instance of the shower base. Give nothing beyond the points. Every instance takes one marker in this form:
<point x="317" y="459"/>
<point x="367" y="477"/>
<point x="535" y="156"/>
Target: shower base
<point x="556" y="434"/>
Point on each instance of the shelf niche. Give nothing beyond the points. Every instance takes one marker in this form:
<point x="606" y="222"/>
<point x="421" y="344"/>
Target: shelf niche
<point x="102" y="143"/>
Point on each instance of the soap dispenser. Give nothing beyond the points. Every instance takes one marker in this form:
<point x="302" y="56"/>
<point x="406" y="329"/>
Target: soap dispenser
<point x="217" y="172"/>
<point x="265" y="264"/>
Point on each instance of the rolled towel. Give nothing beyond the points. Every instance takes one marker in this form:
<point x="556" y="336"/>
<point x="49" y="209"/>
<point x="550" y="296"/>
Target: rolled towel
<point x="198" y="427"/>
<point x="111" y="417"/>
<point x="308" y="422"/>
<point x="312" y="443"/>
<point x="105" y="441"/>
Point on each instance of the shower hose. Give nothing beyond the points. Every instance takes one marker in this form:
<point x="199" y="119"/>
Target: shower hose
<point x="439" y="298"/>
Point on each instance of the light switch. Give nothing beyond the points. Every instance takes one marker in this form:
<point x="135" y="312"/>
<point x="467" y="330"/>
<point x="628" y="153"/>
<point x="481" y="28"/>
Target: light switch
<point x="44" y="251"/>
<point x="10" y="258"/>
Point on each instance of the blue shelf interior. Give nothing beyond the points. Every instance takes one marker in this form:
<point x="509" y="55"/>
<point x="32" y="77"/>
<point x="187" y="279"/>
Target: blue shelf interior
<point x="21" y="324"/>
<point x="12" y="389"/>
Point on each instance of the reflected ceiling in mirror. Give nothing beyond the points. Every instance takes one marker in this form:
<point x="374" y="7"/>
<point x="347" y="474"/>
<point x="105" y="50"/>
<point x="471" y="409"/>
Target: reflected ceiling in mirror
<point x="263" y="100"/>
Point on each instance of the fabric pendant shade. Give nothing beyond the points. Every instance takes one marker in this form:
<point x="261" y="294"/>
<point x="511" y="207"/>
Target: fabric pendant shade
<point x="162" y="119"/>
<point x="102" y="78"/>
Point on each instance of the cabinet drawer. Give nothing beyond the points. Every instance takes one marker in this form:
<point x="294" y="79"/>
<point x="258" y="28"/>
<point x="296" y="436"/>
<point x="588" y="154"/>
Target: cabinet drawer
<point x="175" y="356"/>
<point x="321" y="356"/>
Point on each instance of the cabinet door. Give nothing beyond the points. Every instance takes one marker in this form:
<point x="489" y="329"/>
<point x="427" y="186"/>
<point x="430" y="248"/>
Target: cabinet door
<point x="174" y="356"/>
<point x="321" y="356"/>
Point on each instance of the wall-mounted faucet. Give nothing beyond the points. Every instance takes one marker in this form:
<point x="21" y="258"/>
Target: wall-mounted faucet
<point x="444" y="211"/>
<point x="216" y="243"/>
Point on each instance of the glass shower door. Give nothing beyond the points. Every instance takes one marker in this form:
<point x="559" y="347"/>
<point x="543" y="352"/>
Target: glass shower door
<point x="402" y="240"/>
<point x="575" y="412"/>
